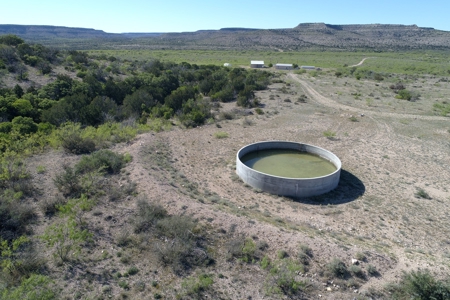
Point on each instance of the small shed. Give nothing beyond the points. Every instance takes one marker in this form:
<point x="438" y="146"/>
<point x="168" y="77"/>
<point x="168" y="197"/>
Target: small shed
<point x="308" y="67"/>
<point x="284" y="66"/>
<point x="227" y="65"/>
<point x="257" y="64"/>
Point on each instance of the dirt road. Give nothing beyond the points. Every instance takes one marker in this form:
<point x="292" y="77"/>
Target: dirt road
<point x="361" y="62"/>
<point x="316" y="96"/>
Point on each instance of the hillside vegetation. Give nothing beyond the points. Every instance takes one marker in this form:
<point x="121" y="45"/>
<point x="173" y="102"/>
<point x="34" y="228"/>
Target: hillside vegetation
<point x="117" y="177"/>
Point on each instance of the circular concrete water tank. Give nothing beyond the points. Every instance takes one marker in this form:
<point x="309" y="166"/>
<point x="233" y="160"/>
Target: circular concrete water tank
<point x="283" y="186"/>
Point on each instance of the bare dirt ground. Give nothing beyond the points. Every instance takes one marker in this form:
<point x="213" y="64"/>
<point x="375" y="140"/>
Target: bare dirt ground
<point x="387" y="155"/>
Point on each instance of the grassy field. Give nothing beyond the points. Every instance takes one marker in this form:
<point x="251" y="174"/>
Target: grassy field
<point x="429" y="62"/>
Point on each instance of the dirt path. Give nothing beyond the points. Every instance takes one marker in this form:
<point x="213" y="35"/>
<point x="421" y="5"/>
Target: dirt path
<point x="361" y="62"/>
<point x="316" y="96"/>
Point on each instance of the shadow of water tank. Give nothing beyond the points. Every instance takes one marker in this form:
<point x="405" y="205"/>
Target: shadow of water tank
<point x="288" y="168"/>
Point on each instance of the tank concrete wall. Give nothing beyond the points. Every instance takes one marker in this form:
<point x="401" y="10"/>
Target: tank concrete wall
<point x="291" y="187"/>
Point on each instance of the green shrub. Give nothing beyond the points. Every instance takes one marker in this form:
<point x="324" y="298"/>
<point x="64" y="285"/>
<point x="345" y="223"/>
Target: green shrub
<point x="74" y="143"/>
<point x="103" y="160"/>
<point x="227" y="115"/>
<point x="420" y="285"/>
<point x="195" y="287"/>
<point x="282" y="278"/>
<point x="123" y="284"/>
<point x="35" y="287"/>
<point x="6" y="127"/>
<point x="259" y="111"/>
<point x="372" y="270"/>
<point x="221" y="135"/>
<point x="442" y="108"/>
<point x="356" y="271"/>
<point x="68" y="182"/>
<point x="304" y="254"/>
<point x="243" y="249"/>
<point x="360" y="256"/>
<point x="329" y="134"/>
<point x="49" y="206"/>
<point x="66" y="239"/>
<point x="407" y="95"/>
<point x="18" y="260"/>
<point x="265" y="262"/>
<point x="24" y="125"/>
<point x="14" y="217"/>
<point x="14" y="177"/>
<point x="421" y="193"/>
<point x="337" y="268"/>
<point x="282" y="254"/>
<point x="132" y="271"/>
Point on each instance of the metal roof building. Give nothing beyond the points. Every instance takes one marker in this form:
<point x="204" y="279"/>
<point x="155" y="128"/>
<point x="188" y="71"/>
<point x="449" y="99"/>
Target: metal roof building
<point x="257" y="64"/>
<point x="284" y="66"/>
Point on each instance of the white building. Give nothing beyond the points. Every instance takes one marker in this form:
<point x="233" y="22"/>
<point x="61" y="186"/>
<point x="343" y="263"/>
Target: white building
<point x="284" y="66"/>
<point x="227" y="65"/>
<point x="257" y="64"/>
<point x="308" y="67"/>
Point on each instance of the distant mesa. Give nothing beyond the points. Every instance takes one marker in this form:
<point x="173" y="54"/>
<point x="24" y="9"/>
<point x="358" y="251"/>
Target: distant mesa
<point x="305" y="36"/>
<point x="238" y="29"/>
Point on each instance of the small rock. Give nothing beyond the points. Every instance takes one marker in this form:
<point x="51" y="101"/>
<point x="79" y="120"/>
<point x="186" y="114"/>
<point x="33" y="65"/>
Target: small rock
<point x="355" y="261"/>
<point x="329" y="289"/>
<point x="355" y="291"/>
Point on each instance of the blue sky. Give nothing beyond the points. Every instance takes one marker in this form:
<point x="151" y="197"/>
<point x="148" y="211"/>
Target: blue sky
<point x="177" y="15"/>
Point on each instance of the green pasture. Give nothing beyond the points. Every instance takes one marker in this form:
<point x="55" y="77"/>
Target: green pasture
<point x="424" y="62"/>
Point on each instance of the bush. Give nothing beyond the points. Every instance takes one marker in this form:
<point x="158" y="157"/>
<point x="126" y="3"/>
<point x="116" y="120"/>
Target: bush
<point x="337" y="268"/>
<point x="19" y="260"/>
<point x="283" y="278"/>
<point x="259" y="111"/>
<point x="329" y="134"/>
<point x="356" y="271"/>
<point x="243" y="249"/>
<point x="148" y="215"/>
<point x="74" y="143"/>
<point x="305" y="254"/>
<point x="182" y="249"/>
<point x="220" y="135"/>
<point x="421" y="193"/>
<point x="132" y="271"/>
<point x="14" y="218"/>
<point x="34" y="287"/>
<point x="103" y="161"/>
<point x="407" y="95"/>
<point x="68" y="182"/>
<point x="420" y="285"/>
<point x="195" y="287"/>
<point x="14" y="177"/>
<point x="49" y="206"/>
<point x="371" y="270"/>
<point x="227" y="115"/>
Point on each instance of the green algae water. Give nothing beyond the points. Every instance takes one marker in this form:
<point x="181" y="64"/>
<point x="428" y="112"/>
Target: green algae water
<point x="288" y="163"/>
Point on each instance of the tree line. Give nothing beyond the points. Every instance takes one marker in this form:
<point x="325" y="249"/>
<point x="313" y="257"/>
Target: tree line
<point x="97" y="90"/>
